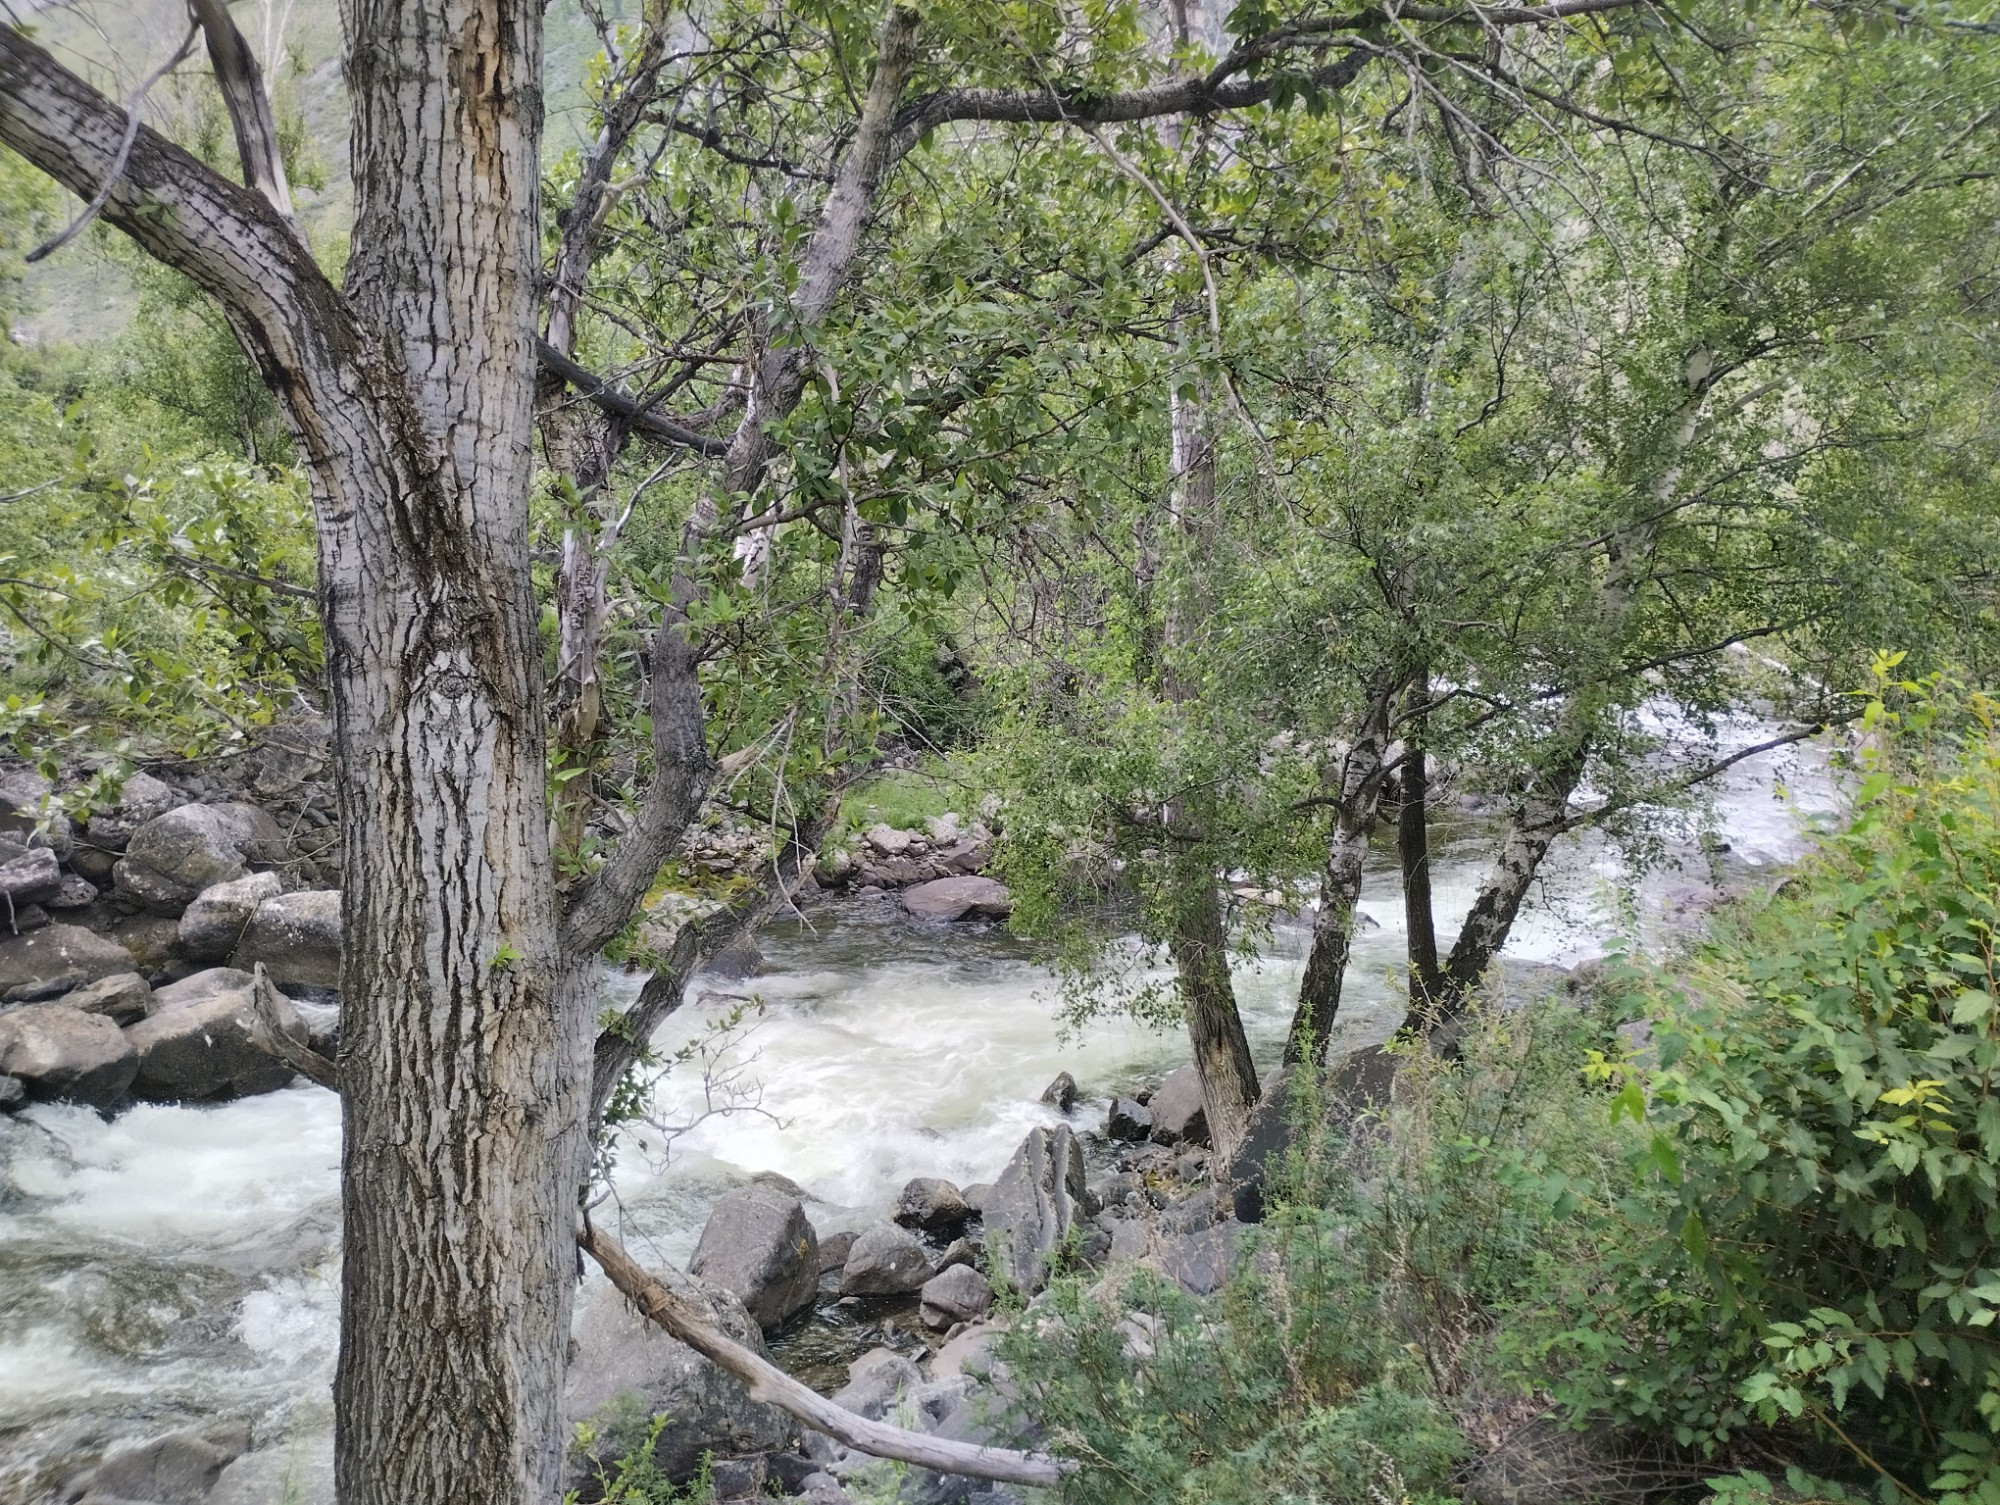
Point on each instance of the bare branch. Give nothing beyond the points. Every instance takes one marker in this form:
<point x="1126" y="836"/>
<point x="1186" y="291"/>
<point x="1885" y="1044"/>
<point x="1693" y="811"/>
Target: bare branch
<point x="627" y="409"/>
<point x="771" y="1385"/>
<point x="268" y="1033"/>
<point x="242" y="85"/>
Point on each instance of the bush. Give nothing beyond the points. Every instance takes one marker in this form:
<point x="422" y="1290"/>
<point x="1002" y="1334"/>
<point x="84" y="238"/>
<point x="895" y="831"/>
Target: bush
<point x="1814" y="1246"/>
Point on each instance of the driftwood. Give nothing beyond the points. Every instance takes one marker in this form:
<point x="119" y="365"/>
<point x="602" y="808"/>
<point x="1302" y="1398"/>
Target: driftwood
<point x="764" y="1380"/>
<point x="770" y="1384"/>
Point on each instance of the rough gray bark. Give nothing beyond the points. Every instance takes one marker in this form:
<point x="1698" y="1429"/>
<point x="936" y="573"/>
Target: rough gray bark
<point x="1413" y="852"/>
<point x="1357" y="798"/>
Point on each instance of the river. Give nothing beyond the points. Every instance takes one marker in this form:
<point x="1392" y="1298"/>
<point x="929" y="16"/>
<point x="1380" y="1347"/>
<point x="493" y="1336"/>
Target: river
<point x="178" y="1264"/>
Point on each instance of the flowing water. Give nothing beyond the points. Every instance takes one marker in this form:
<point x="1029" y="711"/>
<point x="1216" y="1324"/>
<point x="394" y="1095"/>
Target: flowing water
<point x="179" y="1264"/>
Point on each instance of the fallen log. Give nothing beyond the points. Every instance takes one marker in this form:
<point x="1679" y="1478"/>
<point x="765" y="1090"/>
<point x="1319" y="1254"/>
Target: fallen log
<point x="768" y="1383"/>
<point x="764" y="1380"/>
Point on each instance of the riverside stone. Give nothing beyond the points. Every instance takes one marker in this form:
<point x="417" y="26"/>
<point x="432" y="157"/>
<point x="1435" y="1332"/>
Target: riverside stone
<point x="834" y="1249"/>
<point x="875" y="1381"/>
<point x="627" y="1371"/>
<point x="1130" y="1121"/>
<point x="933" y="1205"/>
<point x="758" y="1245"/>
<point x="181" y="1468"/>
<point x="959" y="1294"/>
<point x="123" y="997"/>
<point x="74" y="892"/>
<point x="65" y="1054"/>
<point x="961" y="898"/>
<point x="68" y="954"/>
<point x="173" y="857"/>
<point x="1038" y="1199"/>
<point x="1061" y="1093"/>
<point x="141" y="798"/>
<point x="215" y="922"/>
<point x="296" y="937"/>
<point x="207" y="1049"/>
<point x="24" y="812"/>
<point x="32" y="878"/>
<point x="885" y="1261"/>
<point x="1179" y="1115"/>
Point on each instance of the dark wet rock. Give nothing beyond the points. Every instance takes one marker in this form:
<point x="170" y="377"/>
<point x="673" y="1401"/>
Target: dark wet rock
<point x="1061" y="1093"/>
<point x="67" y="955"/>
<point x="32" y="878"/>
<point x="874" y="1383"/>
<point x="296" y="937"/>
<point x="758" y="1245"/>
<point x="25" y="812"/>
<point x="962" y="898"/>
<point x="154" y="944"/>
<point x="205" y="1047"/>
<point x="173" y="857"/>
<point x="64" y="1054"/>
<point x="109" y="829"/>
<point x="625" y="1371"/>
<point x="885" y="1261"/>
<point x="123" y="997"/>
<point x="13" y="1093"/>
<point x="1179" y="1116"/>
<point x="181" y="1468"/>
<point x="959" y="1294"/>
<point x="933" y="1205"/>
<point x="834" y="1249"/>
<point x="1038" y="1199"/>
<point x="789" y="1471"/>
<point x="1129" y="1120"/>
<point x="977" y="1194"/>
<point x="960" y="1251"/>
<point x="28" y="917"/>
<point x="738" y="1478"/>
<point x="215" y="922"/>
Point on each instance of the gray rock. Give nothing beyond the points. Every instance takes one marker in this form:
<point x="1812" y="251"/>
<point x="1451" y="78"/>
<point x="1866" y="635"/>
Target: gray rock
<point x="198" y="987"/>
<point x="976" y="1195"/>
<point x="65" y="954"/>
<point x="1190" y="1214"/>
<point x="154" y="942"/>
<point x="875" y="1381"/>
<point x="123" y="997"/>
<point x="215" y="922"/>
<point x="25" y="813"/>
<point x="1036" y="1202"/>
<point x="296" y="937"/>
<point x="960" y="1251"/>
<point x="142" y="798"/>
<point x="1061" y="1093"/>
<point x="738" y="1478"/>
<point x="207" y="1049"/>
<point x="93" y="864"/>
<point x="173" y="857"/>
<point x="181" y="1468"/>
<point x="1130" y="1239"/>
<point x="298" y="1472"/>
<point x="888" y="840"/>
<point x="758" y="1245"/>
<point x="970" y="1353"/>
<point x="32" y="878"/>
<point x="959" y="1294"/>
<point x="933" y="1205"/>
<point x="625" y="1371"/>
<point x="961" y="898"/>
<point x="13" y="1093"/>
<point x="74" y="892"/>
<point x="834" y="1249"/>
<point x="1201" y="1261"/>
<point x="1130" y="1121"/>
<point x="65" y="1054"/>
<point x="983" y="1419"/>
<point x="1116" y="1189"/>
<point x="885" y="1261"/>
<point x="29" y="917"/>
<point x="1179" y="1116"/>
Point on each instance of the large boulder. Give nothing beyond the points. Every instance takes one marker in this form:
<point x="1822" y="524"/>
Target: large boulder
<point x="885" y="1261"/>
<point x="215" y="922"/>
<point x="200" y="1042"/>
<point x="295" y="1472"/>
<point x="141" y="798"/>
<point x="759" y="1246"/>
<point x="64" y="1053"/>
<point x="933" y="1205"/>
<point x="296" y="937"/>
<point x="625" y="1371"/>
<point x="1179" y="1113"/>
<point x="181" y="1468"/>
<point x="962" y="898"/>
<point x="875" y="1382"/>
<point x="959" y="1294"/>
<point x="173" y="857"/>
<point x="1035" y="1203"/>
<point x="1129" y="1120"/>
<point x="57" y="958"/>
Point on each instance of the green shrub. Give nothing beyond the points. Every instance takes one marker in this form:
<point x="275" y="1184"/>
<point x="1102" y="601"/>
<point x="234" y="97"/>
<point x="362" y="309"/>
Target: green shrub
<point x="1813" y="1248"/>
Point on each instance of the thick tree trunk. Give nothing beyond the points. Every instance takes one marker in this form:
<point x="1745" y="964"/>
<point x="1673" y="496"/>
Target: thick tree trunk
<point x="1357" y="801"/>
<point x="1199" y="948"/>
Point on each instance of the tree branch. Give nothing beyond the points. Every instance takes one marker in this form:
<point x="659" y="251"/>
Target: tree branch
<point x="243" y="93"/>
<point x="771" y="1385"/>
<point x="627" y="409"/>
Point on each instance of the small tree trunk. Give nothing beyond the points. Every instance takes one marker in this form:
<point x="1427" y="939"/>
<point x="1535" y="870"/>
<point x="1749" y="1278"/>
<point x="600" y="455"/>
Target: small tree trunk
<point x="1355" y="808"/>
<point x="1413" y="851"/>
<point x="1199" y="948"/>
